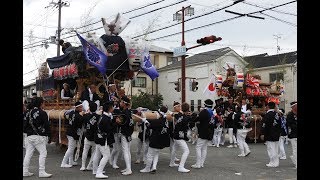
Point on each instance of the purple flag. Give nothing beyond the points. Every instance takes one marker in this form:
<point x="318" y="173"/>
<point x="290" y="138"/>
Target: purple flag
<point x="94" y="56"/>
<point x="147" y="67"/>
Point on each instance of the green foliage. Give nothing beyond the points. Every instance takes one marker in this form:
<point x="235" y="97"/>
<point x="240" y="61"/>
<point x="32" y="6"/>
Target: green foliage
<point x="152" y="102"/>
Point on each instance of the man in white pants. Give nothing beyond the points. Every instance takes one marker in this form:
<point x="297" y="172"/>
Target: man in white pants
<point x="104" y="129"/>
<point x="243" y="127"/>
<point x="126" y="130"/>
<point x="271" y="129"/>
<point x="173" y="158"/>
<point x="37" y="128"/>
<point x="90" y="122"/>
<point x="143" y="143"/>
<point x="205" y="133"/>
<point x="292" y="122"/>
<point x="75" y="122"/>
<point x="180" y="135"/>
<point x="230" y="126"/>
<point x="284" y="134"/>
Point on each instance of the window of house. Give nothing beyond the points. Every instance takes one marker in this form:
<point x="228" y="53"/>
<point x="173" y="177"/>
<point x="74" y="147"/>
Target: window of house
<point x="192" y="105"/>
<point x="199" y="104"/>
<point x="171" y="60"/>
<point x="140" y="82"/>
<point x="276" y="77"/>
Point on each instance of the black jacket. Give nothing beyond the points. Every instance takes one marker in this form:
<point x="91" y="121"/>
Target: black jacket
<point x="37" y="123"/>
<point x="271" y="126"/>
<point x="159" y="136"/>
<point x="90" y="124"/>
<point x="239" y="123"/>
<point x="74" y="124"/>
<point x="205" y="129"/>
<point x="104" y="131"/>
<point x="141" y="129"/>
<point x="229" y="121"/>
<point x="218" y="123"/>
<point x="85" y="96"/>
<point x="292" y="122"/>
<point x="181" y="126"/>
<point x="126" y="128"/>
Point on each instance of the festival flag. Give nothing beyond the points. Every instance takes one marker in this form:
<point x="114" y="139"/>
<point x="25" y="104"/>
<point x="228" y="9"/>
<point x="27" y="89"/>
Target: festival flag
<point x="147" y="67"/>
<point x="94" y="56"/>
<point x="210" y="88"/>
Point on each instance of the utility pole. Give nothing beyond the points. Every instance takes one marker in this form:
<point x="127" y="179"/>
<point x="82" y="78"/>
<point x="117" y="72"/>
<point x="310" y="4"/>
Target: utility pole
<point x="190" y="11"/>
<point x="277" y="37"/>
<point x="59" y="4"/>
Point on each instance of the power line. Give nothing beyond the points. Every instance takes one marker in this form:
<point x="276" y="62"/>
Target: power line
<point x="242" y="15"/>
<point x="156" y="2"/>
<point x="278" y="11"/>
<point x="157" y="9"/>
<point x="198" y="27"/>
<point x="30" y="24"/>
<point x="205" y="14"/>
<point x="273" y="7"/>
<point x="281" y="20"/>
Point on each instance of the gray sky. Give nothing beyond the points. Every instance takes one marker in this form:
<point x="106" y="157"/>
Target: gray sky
<point x="247" y="36"/>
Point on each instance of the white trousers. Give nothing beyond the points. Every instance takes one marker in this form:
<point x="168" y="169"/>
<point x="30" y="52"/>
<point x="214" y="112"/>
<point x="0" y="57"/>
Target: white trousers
<point x="125" y="147"/>
<point x="24" y="140"/>
<point x="232" y="138"/>
<point x="86" y="146"/>
<point x="68" y="156"/>
<point x="185" y="152"/>
<point x="223" y="136"/>
<point x="282" y="153"/>
<point x="142" y="150"/>
<point x="39" y="143"/>
<point x="293" y="142"/>
<point x="273" y="148"/>
<point x="98" y="165"/>
<point x="201" y="151"/>
<point x="116" y="149"/>
<point x="152" y="158"/>
<point x="173" y="147"/>
<point x="217" y="136"/>
<point x="241" y="138"/>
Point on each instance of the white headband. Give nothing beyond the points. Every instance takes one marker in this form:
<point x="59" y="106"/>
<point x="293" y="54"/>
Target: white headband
<point x="79" y="105"/>
<point x="293" y="104"/>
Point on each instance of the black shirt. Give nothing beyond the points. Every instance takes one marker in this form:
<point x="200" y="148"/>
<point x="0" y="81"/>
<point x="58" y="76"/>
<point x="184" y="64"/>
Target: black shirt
<point x="126" y="128"/>
<point x="104" y="130"/>
<point x="205" y="128"/>
<point x="90" y="124"/>
<point x="229" y="121"/>
<point x="292" y="123"/>
<point x="181" y="126"/>
<point x="159" y="136"/>
<point x="141" y="129"/>
<point x="271" y="126"/>
<point x="37" y="123"/>
<point x="241" y="123"/>
<point x="74" y="126"/>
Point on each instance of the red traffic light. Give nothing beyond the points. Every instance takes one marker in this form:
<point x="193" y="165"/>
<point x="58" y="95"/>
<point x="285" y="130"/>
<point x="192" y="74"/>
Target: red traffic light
<point x="208" y="40"/>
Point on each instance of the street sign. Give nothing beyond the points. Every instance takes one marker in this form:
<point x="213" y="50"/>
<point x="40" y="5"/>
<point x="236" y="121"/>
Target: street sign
<point x="179" y="51"/>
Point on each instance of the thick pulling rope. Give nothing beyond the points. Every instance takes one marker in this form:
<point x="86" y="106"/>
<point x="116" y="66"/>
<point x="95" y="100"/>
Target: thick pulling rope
<point x="60" y="125"/>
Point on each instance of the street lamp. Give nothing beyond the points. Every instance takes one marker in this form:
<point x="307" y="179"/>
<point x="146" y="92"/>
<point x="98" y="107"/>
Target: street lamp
<point x="185" y="11"/>
<point x="177" y="16"/>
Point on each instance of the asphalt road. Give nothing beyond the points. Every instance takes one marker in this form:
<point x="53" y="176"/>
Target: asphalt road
<point x="221" y="163"/>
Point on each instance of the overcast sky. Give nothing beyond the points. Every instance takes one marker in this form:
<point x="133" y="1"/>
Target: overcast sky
<point x="247" y="36"/>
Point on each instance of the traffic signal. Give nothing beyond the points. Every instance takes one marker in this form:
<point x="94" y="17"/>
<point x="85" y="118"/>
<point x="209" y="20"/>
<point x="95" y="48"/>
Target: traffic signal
<point x="208" y="40"/>
<point x="177" y="86"/>
<point x="194" y="86"/>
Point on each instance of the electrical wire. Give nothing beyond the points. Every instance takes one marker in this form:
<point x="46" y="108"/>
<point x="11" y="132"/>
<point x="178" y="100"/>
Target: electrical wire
<point x="281" y="20"/>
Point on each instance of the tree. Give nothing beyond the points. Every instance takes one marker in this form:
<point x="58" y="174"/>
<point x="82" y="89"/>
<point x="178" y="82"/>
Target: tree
<point x="152" y="102"/>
